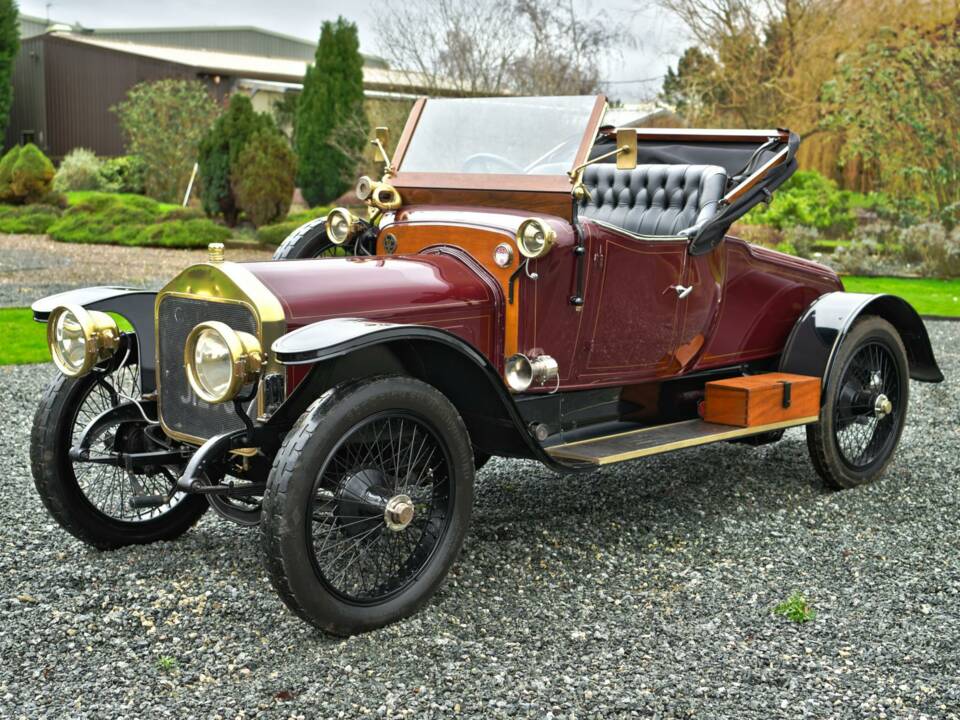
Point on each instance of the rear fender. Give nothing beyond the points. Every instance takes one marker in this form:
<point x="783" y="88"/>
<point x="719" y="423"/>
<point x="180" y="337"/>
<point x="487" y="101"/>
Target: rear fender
<point x="815" y="339"/>
<point x="345" y="349"/>
<point x="133" y="304"/>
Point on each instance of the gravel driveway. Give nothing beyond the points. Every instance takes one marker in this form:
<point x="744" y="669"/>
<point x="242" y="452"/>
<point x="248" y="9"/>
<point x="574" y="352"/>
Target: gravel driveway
<point x="641" y="590"/>
<point x="33" y="266"/>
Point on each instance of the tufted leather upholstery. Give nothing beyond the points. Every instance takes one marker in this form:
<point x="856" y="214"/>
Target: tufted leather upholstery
<point x="653" y="199"/>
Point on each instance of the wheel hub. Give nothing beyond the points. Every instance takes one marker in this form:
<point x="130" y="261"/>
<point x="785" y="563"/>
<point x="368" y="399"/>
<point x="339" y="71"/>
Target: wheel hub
<point x="882" y="406"/>
<point x="399" y="512"/>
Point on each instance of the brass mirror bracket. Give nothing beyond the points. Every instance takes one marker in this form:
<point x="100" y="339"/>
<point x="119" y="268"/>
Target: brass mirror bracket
<point x="380" y="141"/>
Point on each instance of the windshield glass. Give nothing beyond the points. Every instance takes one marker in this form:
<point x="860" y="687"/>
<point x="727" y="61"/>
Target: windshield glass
<point x="513" y="136"/>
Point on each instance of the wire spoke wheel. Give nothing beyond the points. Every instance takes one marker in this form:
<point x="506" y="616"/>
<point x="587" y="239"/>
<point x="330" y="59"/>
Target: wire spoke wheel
<point x="867" y="416"/>
<point x="381" y="504"/>
<point x="112" y="490"/>
<point x="865" y="394"/>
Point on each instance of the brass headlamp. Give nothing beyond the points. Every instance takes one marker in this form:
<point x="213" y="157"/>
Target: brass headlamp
<point x="341" y="225"/>
<point x="220" y="361"/>
<point x="79" y="338"/>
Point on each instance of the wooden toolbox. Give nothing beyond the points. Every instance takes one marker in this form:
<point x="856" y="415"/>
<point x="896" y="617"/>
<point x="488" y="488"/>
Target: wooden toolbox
<point x="764" y="399"/>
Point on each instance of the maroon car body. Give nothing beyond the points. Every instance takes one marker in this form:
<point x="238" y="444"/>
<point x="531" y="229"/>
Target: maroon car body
<point x="528" y="282"/>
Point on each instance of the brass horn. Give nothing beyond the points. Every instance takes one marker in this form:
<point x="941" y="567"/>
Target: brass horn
<point x="381" y="195"/>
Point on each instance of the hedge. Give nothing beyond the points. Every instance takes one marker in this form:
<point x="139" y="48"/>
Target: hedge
<point x="27" y="219"/>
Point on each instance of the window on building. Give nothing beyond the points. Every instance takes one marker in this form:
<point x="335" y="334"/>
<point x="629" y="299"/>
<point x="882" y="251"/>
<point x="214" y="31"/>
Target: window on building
<point x="28" y="136"/>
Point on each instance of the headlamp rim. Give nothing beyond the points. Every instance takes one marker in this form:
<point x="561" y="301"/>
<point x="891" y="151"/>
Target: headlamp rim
<point x="353" y="223"/>
<point x="246" y="360"/>
<point x="549" y="237"/>
<point x="101" y="336"/>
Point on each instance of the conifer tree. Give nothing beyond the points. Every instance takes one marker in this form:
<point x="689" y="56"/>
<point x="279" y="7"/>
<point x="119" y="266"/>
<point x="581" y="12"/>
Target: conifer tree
<point x="9" y="45"/>
<point x="331" y="126"/>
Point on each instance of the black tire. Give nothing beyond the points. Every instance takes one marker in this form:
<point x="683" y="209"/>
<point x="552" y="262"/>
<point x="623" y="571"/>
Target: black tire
<point x="297" y="482"/>
<point x="854" y="442"/>
<point x="306" y="242"/>
<point x="54" y="426"/>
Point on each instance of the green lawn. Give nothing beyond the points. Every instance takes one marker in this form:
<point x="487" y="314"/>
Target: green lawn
<point x="25" y="341"/>
<point x="929" y="297"/>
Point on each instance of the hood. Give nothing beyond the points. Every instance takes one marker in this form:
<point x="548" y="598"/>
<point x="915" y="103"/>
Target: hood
<point x="436" y="289"/>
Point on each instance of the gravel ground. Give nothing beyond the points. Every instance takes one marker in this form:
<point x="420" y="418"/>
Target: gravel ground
<point x="34" y="266"/>
<point x="642" y="590"/>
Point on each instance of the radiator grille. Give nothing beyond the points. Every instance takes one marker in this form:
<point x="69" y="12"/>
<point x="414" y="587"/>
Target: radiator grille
<point x="182" y="411"/>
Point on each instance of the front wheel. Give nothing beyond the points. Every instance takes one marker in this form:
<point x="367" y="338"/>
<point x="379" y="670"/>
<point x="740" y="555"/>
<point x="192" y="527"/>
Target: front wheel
<point x="103" y="503"/>
<point x="865" y="406"/>
<point x="367" y="504"/>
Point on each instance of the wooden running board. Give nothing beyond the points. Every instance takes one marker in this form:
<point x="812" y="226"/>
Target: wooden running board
<point x="660" y="439"/>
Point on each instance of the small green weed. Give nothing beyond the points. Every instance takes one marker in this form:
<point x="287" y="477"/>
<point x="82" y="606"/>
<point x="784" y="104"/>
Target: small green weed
<point x="166" y="664"/>
<point x="796" y="608"/>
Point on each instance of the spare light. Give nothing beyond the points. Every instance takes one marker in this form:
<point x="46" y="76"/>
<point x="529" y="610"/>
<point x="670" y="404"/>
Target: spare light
<point x="341" y="225"/>
<point x="220" y="361"/>
<point x="521" y="372"/>
<point x="535" y="238"/>
<point x="79" y="338"/>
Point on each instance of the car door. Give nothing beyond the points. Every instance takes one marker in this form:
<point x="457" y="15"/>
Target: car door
<point x="632" y="300"/>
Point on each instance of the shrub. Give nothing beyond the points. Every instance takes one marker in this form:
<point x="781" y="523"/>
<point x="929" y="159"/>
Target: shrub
<point x="102" y="220"/>
<point x="31" y="177"/>
<point x="27" y="220"/>
<point x="80" y="170"/>
<point x="331" y="127"/>
<point x="182" y="213"/>
<point x="163" y="122"/>
<point x="124" y="174"/>
<point x="196" y="232"/>
<point x="809" y="199"/>
<point x="120" y="219"/>
<point x="872" y="250"/>
<point x="6" y="173"/>
<point x="803" y="239"/>
<point x="219" y="151"/>
<point x="263" y="177"/>
<point x="96" y="201"/>
<point x="935" y="249"/>
<point x="277" y="233"/>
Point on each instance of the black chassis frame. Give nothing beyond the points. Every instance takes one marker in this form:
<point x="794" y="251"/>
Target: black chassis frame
<point x="349" y="349"/>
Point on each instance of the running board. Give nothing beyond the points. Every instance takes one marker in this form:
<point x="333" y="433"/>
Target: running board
<point x="660" y="439"/>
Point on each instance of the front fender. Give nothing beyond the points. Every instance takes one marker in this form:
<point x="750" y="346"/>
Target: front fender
<point x="449" y="363"/>
<point x="133" y="304"/>
<point x="813" y="343"/>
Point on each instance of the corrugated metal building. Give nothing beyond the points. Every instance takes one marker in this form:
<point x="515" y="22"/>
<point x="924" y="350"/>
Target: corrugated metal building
<point x="65" y="84"/>
<point x="31" y="26"/>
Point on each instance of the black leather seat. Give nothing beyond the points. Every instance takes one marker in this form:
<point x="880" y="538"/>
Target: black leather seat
<point x="653" y="199"/>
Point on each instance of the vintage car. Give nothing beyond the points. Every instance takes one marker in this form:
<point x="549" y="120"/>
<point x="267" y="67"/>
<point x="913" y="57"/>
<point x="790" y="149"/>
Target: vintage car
<point x="526" y="282"/>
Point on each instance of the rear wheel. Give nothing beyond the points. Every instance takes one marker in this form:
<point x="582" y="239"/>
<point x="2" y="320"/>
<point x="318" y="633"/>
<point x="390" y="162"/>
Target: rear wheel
<point x="865" y="406"/>
<point x="103" y="504"/>
<point x="367" y="504"/>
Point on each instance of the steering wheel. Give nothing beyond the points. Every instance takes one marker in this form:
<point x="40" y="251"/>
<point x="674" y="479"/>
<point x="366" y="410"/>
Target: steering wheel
<point x="490" y="163"/>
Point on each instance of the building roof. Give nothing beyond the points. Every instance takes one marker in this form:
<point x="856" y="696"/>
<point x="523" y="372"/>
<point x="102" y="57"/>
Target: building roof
<point x="223" y="38"/>
<point x="247" y="66"/>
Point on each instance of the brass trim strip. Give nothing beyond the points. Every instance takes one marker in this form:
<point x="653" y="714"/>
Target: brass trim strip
<point x="569" y="452"/>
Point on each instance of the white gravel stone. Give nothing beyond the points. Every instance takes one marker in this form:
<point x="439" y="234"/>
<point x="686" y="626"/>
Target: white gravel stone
<point x="643" y="590"/>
